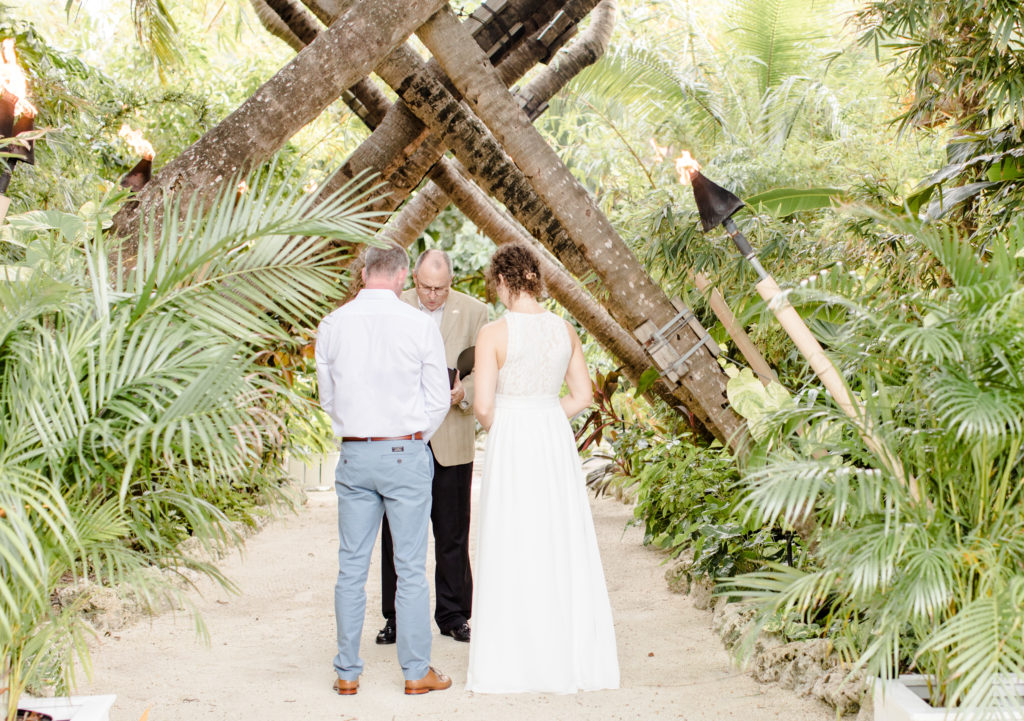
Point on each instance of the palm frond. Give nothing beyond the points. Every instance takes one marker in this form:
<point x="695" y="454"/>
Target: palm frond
<point x="263" y="251"/>
<point x="985" y="646"/>
<point x="156" y="30"/>
<point x="785" y="589"/>
<point x="649" y="85"/>
<point x="774" y="35"/>
<point x="977" y="410"/>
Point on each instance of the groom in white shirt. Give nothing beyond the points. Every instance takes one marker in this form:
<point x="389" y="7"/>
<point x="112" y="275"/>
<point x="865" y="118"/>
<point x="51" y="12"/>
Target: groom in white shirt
<point x="383" y="380"/>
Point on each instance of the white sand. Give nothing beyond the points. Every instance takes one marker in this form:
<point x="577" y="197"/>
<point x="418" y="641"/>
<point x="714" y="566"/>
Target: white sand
<point x="270" y="647"/>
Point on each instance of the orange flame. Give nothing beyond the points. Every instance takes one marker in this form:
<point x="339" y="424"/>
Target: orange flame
<point x="12" y="79"/>
<point x="136" y="142"/>
<point x="686" y="167"/>
<point x="243" y="187"/>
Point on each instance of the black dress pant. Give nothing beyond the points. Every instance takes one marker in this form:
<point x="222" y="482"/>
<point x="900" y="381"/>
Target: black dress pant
<point x="453" y="580"/>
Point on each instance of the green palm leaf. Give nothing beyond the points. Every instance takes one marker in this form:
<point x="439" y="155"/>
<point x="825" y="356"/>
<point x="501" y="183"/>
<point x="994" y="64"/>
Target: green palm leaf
<point x="774" y="35"/>
<point x="985" y="646"/>
<point x="977" y="411"/>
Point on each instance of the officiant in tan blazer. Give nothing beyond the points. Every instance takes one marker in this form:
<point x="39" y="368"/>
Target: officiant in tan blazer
<point x="460" y="318"/>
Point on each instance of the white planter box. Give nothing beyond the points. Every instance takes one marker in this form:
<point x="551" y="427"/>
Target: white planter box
<point x="905" y="699"/>
<point x="71" y="708"/>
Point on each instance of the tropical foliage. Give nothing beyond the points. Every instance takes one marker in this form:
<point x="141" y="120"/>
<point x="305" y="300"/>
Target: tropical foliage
<point x="923" y="319"/>
<point x="137" y="408"/>
<point x="960" y="61"/>
<point x="932" y="585"/>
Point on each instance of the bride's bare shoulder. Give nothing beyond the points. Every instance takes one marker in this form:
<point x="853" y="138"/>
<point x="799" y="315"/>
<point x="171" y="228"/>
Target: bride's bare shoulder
<point x="574" y="337"/>
<point x="494" y="331"/>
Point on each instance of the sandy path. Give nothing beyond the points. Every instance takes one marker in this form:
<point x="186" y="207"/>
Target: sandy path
<point x="270" y="648"/>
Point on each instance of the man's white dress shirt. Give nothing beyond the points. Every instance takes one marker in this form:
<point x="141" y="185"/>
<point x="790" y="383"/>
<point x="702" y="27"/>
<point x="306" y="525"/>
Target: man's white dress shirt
<point x="437" y="314"/>
<point x="381" y="368"/>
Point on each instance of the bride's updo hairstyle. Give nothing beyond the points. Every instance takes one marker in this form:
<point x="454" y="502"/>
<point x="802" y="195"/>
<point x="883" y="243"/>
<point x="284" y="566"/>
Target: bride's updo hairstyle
<point x="518" y="267"/>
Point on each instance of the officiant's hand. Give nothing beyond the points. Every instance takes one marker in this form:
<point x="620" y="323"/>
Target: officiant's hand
<point x="458" y="392"/>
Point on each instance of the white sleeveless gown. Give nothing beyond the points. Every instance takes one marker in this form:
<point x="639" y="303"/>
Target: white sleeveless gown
<point x="541" y="617"/>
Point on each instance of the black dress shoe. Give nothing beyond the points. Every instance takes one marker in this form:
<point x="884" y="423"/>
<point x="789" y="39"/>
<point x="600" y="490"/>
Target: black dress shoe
<point x="459" y="633"/>
<point x="387" y="634"/>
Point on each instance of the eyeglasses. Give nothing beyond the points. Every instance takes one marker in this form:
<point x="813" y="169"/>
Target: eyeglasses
<point x="434" y="290"/>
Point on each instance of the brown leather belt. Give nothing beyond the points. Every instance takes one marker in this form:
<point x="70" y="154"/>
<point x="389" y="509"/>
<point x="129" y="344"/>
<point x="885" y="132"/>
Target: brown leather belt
<point x="417" y="436"/>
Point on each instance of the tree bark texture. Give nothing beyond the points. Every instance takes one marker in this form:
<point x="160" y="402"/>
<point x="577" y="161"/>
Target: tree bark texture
<point x="594" y="243"/>
<point x="287" y="20"/>
<point x="297" y="18"/>
<point x="466" y="135"/>
<point x="275" y="25"/>
<point x="299" y="92"/>
<point x="400" y="149"/>
<point x="542" y="46"/>
<point x="405" y="130"/>
<point x="327" y="11"/>
<point x="587" y="50"/>
<point x="500" y="33"/>
<point x="584" y="51"/>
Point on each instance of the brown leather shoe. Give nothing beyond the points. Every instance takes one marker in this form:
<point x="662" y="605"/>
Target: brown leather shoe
<point x="346" y="688"/>
<point x="433" y="681"/>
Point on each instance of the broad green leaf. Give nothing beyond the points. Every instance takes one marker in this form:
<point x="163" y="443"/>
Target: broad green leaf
<point x="783" y="202"/>
<point x="647" y="379"/>
<point x="1008" y="168"/>
<point x="916" y="201"/>
<point x="68" y="225"/>
<point x="752" y="400"/>
<point x="945" y="200"/>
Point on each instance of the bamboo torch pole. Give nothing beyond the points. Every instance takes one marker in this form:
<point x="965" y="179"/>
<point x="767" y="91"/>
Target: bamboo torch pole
<point x="716" y="206"/>
<point x="732" y="326"/>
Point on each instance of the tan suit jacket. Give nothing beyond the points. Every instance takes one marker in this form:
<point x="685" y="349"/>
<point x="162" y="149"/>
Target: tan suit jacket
<point x="464" y="316"/>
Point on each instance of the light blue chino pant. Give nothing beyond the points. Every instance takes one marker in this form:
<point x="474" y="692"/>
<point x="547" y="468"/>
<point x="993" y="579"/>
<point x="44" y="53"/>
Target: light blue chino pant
<point x="372" y="476"/>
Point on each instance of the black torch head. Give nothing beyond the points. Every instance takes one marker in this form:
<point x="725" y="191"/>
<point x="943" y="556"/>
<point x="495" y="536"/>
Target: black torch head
<point x="138" y="176"/>
<point x="714" y="203"/>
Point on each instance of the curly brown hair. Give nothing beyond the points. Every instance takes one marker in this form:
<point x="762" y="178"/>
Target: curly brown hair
<point x="518" y="267"/>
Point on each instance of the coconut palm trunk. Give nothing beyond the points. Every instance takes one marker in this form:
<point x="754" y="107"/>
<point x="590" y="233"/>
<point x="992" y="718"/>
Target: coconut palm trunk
<point x="296" y="17"/>
<point x="295" y="95"/>
<point x="277" y="27"/>
<point x="397" y="141"/>
<point x="327" y="10"/>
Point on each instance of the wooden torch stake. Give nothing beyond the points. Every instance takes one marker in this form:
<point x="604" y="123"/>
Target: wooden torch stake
<point x="5" y="203"/>
<point x="739" y="336"/>
<point x="829" y="375"/>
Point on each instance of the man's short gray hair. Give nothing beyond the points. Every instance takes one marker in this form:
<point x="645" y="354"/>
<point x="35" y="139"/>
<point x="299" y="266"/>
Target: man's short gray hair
<point x="386" y="261"/>
<point x="431" y="255"/>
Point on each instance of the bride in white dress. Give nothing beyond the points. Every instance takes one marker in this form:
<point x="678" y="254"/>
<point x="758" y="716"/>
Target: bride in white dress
<point x="541" y="617"/>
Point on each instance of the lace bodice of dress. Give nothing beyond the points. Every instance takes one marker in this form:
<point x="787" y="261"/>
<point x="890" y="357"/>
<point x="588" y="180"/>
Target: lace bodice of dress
<point x="538" y="355"/>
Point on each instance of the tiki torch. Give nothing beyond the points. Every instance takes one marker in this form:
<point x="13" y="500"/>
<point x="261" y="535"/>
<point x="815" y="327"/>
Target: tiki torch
<point x="140" y="174"/>
<point x="716" y="206"/>
<point x="17" y="116"/>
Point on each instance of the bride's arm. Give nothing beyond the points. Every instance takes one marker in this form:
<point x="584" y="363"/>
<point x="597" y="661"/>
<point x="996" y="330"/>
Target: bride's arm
<point x="577" y="377"/>
<point x="486" y="371"/>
